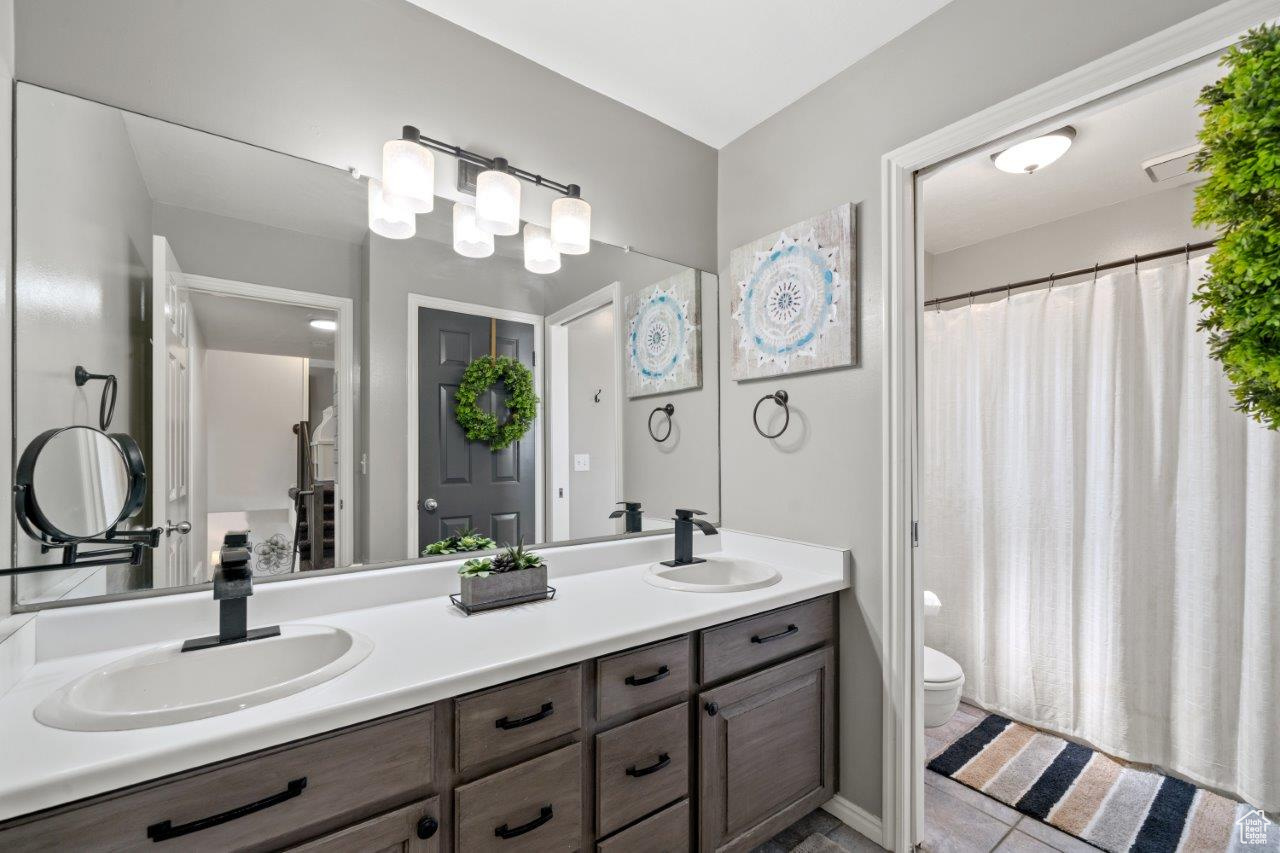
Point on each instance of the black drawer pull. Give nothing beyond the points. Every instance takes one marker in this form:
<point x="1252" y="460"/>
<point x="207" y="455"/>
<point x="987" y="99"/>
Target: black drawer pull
<point x="791" y="629"/>
<point x="427" y="827"/>
<point x="164" y="830"/>
<point x="504" y="833"/>
<point x="663" y="761"/>
<point x="639" y="681"/>
<point x="547" y="710"/>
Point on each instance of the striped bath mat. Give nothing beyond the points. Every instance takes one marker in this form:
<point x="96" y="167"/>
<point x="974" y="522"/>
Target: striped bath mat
<point x="1109" y="804"/>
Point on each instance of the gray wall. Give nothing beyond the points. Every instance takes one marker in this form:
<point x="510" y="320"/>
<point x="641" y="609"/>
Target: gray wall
<point x="591" y="424"/>
<point x="333" y="79"/>
<point x="85" y="273"/>
<point x="826" y="149"/>
<point x="1150" y="223"/>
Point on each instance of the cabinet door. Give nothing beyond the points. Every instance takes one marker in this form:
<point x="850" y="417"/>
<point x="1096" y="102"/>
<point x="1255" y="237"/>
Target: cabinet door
<point x="767" y="743"/>
<point x="414" y="828"/>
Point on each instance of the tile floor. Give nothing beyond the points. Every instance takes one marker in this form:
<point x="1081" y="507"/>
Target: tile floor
<point x="956" y="819"/>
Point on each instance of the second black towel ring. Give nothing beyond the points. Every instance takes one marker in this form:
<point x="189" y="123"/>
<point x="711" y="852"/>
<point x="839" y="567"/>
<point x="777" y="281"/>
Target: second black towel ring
<point x="779" y="397"/>
<point x="107" y="404"/>
<point x="667" y="410"/>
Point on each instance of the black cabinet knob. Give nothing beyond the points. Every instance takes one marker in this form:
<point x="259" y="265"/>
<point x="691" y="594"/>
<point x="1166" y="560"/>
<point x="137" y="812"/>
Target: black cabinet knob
<point x="427" y="827"/>
<point x="711" y="708"/>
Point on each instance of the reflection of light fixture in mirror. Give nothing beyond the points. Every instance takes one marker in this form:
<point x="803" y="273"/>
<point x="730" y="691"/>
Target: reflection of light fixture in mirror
<point x="387" y="218"/>
<point x="325" y="325"/>
<point x="539" y="255"/>
<point x="468" y="240"/>
<point x="498" y="200"/>
<point x="1034" y="154"/>
<point x="409" y="173"/>
<point x="571" y="223"/>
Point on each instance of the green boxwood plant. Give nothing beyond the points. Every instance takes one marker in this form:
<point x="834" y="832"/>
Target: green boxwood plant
<point x="522" y="402"/>
<point x="1241" y="196"/>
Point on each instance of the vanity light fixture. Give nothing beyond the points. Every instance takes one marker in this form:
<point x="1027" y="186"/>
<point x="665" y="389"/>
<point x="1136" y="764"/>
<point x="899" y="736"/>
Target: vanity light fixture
<point x="409" y="189"/>
<point x="1031" y="155"/>
<point x="325" y="325"/>
<point x="571" y="223"/>
<point x="409" y="174"/>
<point x="498" y="200"/>
<point x="389" y="218"/>
<point x="539" y="255"/>
<point x="469" y="240"/>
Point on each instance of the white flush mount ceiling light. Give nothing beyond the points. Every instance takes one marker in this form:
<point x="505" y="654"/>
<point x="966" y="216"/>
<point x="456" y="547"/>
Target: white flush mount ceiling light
<point x="498" y="200"/>
<point x="539" y="255"/>
<point x="325" y="325"/>
<point x="469" y="240"/>
<point x="409" y="173"/>
<point x="408" y="188"/>
<point x="388" y="218"/>
<point x="1033" y="155"/>
<point x="571" y="223"/>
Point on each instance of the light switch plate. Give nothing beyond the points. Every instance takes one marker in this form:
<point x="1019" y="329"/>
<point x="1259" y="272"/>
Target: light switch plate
<point x="582" y="461"/>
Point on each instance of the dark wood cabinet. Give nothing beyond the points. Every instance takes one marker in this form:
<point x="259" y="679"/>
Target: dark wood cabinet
<point x="601" y="754"/>
<point x="767" y="751"/>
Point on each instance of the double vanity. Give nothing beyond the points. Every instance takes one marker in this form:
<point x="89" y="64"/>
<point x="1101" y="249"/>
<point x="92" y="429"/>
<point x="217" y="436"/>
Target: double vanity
<point x="626" y="714"/>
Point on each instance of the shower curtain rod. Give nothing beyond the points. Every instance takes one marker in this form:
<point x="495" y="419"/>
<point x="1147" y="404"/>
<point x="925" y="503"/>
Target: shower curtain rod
<point x="1096" y="268"/>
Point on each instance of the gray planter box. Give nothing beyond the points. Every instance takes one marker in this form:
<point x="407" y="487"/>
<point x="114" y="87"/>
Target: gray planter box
<point x="499" y="590"/>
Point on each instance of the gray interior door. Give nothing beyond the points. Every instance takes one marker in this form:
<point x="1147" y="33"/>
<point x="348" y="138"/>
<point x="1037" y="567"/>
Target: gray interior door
<point x="462" y="483"/>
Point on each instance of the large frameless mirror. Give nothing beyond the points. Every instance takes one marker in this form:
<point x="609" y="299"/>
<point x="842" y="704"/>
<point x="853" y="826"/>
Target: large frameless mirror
<point x="285" y="371"/>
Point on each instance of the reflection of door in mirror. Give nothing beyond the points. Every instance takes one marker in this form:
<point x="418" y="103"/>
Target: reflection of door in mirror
<point x="173" y="563"/>
<point x="463" y="484"/>
<point x="593" y="431"/>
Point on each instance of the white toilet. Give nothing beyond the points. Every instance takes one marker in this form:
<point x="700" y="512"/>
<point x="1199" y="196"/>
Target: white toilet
<point x="943" y="681"/>
<point x="943" y="677"/>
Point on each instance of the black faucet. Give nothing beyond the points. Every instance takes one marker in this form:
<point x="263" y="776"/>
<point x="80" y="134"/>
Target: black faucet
<point x="684" y="536"/>
<point x="232" y="586"/>
<point x="632" y="512"/>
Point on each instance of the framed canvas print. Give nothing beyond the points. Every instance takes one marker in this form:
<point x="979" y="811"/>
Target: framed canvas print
<point x="794" y="298"/>
<point x="664" y="337"/>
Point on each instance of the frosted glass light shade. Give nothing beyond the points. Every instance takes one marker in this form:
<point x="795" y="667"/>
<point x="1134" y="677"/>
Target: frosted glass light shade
<point x="1034" y="154"/>
<point x="409" y="175"/>
<point x="468" y="239"/>
<point x="498" y="202"/>
<point x="388" y="218"/>
<point x="571" y="225"/>
<point x="539" y="255"/>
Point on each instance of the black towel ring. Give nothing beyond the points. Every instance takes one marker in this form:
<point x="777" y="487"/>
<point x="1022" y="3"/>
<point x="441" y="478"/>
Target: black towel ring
<point x="779" y="397"/>
<point x="667" y="410"/>
<point x="107" y="405"/>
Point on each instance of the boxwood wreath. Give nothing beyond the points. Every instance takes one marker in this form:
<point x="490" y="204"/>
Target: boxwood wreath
<point x="1241" y="154"/>
<point x="522" y="403"/>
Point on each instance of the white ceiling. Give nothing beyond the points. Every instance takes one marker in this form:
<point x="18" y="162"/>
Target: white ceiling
<point x="269" y="328"/>
<point x="970" y="201"/>
<point x="712" y="69"/>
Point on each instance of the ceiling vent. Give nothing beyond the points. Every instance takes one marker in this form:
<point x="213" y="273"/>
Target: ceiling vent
<point x="1172" y="165"/>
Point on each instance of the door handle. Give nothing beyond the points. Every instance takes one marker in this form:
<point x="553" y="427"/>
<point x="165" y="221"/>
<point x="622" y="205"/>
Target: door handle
<point x="430" y="504"/>
<point x="182" y="527"/>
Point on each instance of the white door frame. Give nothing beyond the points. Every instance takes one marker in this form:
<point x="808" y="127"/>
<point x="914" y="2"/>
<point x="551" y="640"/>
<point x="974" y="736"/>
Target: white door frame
<point x="344" y="362"/>
<point x="903" y="299"/>
<point x="557" y="367"/>
<point x="419" y="300"/>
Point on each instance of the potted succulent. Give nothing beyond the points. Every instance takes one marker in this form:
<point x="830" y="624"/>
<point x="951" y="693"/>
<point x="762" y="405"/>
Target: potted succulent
<point x="466" y="540"/>
<point x="513" y="576"/>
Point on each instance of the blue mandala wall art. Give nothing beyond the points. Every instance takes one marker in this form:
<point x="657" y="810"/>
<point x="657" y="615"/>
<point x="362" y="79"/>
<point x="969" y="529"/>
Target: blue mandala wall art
<point x="664" y="336"/>
<point x="795" y="298"/>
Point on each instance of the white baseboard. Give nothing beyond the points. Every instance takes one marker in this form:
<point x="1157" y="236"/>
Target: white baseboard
<point x="855" y="817"/>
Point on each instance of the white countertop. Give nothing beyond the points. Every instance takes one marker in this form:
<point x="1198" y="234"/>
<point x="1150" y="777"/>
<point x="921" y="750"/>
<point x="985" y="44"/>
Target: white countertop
<point x="424" y="650"/>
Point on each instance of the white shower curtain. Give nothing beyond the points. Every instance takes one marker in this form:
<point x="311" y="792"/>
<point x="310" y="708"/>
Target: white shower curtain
<point x="1103" y="529"/>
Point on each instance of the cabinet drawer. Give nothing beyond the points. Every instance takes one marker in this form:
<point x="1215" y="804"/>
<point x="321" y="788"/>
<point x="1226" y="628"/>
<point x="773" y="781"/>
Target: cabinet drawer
<point x="641" y="766"/>
<point x="497" y="722"/>
<point x="665" y="832"/>
<point x="414" y="828"/>
<point x="264" y="802"/>
<point x="631" y="680"/>
<point x="536" y="805"/>
<point x="748" y="644"/>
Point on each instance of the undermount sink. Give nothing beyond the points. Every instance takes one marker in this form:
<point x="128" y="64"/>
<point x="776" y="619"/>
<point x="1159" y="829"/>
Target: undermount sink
<point x="716" y="574"/>
<point x="166" y="685"/>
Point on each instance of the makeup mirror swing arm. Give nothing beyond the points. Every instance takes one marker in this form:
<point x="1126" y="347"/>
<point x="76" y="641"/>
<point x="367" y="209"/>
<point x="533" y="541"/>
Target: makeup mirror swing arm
<point x="130" y="545"/>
